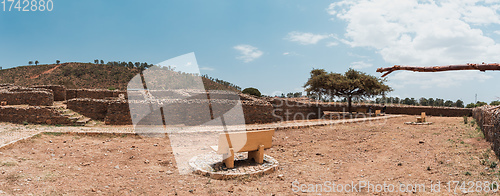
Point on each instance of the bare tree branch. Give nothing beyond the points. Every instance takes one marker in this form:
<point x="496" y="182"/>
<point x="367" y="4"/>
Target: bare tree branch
<point x="481" y="67"/>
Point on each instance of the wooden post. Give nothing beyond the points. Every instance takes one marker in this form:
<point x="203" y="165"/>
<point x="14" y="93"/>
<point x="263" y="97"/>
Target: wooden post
<point x="257" y="155"/>
<point x="229" y="159"/>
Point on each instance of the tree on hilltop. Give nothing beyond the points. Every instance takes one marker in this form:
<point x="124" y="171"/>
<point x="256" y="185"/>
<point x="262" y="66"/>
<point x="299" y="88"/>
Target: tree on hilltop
<point x="252" y="91"/>
<point x="350" y="85"/>
<point x="36" y="62"/>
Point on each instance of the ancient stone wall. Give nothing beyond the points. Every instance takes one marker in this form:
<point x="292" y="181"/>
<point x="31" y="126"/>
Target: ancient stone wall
<point x="288" y="110"/>
<point x="59" y="91"/>
<point x="33" y="114"/>
<point x="93" y="108"/>
<point x="256" y="112"/>
<point x="409" y="110"/>
<point x="93" y="93"/>
<point x="118" y="113"/>
<point x="488" y="119"/>
<point x="196" y="111"/>
<point x="29" y="96"/>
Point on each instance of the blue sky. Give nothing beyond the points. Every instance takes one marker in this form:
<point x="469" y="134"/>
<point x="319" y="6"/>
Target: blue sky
<point x="272" y="44"/>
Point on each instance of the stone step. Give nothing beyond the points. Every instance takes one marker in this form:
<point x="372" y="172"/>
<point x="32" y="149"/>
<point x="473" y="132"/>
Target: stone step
<point x="83" y="120"/>
<point x="73" y="118"/>
<point x="91" y="124"/>
<point x="76" y="118"/>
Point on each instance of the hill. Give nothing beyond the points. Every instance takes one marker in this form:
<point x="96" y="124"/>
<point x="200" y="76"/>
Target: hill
<point x="88" y="75"/>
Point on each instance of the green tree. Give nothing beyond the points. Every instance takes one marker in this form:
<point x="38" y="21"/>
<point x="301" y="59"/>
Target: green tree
<point x="102" y="61"/>
<point x="439" y="102"/>
<point x="30" y="62"/>
<point x="58" y="61"/>
<point x="480" y="103"/>
<point x="431" y="102"/>
<point x="413" y="101"/>
<point x="423" y="101"/>
<point x="449" y="103"/>
<point x="36" y="62"/>
<point x="397" y="100"/>
<point x="477" y="104"/>
<point x="495" y="102"/>
<point x="252" y="91"/>
<point x="350" y="85"/>
<point x="459" y="104"/>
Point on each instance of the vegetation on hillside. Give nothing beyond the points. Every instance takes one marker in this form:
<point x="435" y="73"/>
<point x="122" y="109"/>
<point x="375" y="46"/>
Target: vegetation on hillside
<point x="112" y="75"/>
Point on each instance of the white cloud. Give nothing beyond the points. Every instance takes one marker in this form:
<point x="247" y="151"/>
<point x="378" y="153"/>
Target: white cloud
<point x="431" y="80"/>
<point x="207" y="68"/>
<point x="423" y="33"/>
<point x="305" y="38"/>
<point x="331" y="44"/>
<point x="248" y="53"/>
<point x="291" y="54"/>
<point x="496" y="32"/>
<point x="416" y="33"/>
<point x="360" y="65"/>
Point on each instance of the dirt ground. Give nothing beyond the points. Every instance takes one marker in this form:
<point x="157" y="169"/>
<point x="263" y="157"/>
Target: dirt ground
<point x="376" y="153"/>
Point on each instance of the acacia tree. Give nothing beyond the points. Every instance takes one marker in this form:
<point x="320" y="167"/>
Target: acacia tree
<point x="36" y="62"/>
<point x="350" y="85"/>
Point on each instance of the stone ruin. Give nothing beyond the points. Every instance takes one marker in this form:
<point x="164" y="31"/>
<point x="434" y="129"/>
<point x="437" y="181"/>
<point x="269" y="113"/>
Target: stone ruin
<point x="15" y="95"/>
<point x="54" y="104"/>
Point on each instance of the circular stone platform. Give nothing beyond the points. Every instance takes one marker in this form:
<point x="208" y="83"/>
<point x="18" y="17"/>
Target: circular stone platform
<point x="211" y="165"/>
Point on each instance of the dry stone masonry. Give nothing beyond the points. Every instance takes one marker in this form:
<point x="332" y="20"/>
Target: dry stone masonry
<point x="187" y="107"/>
<point x="488" y="119"/>
<point x="14" y="95"/>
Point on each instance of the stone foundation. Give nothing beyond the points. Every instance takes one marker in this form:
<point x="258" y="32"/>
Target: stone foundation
<point x="196" y="111"/>
<point x="408" y="110"/>
<point x="93" y="93"/>
<point x="27" y="96"/>
<point x="95" y="109"/>
<point x="33" y="114"/>
<point x="488" y="119"/>
<point x="59" y="91"/>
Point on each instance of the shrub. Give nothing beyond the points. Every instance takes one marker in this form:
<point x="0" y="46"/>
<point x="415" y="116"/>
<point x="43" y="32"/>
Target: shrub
<point x="497" y="102"/>
<point x="252" y="91"/>
<point x="111" y="88"/>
